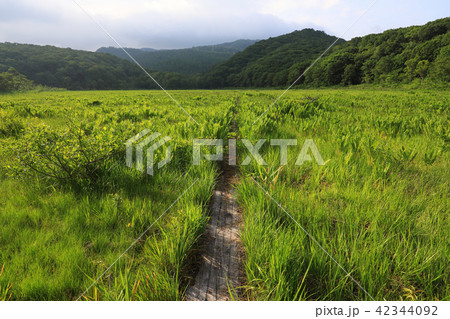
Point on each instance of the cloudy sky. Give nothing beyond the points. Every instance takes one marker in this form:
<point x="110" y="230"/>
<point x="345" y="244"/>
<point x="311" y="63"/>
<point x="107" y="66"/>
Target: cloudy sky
<point x="186" y="23"/>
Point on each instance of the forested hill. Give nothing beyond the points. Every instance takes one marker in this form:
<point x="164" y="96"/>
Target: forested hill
<point x="185" y="61"/>
<point x="272" y="62"/>
<point x="395" y="56"/>
<point x="80" y="70"/>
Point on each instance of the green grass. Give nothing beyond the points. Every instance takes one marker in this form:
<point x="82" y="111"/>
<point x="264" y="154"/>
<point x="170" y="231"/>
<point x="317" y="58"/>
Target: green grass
<point x="379" y="206"/>
<point x="57" y="237"/>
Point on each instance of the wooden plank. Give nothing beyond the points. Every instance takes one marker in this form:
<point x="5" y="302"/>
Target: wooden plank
<point x="221" y="261"/>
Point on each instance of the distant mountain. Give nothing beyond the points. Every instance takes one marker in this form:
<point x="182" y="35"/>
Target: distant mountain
<point x="185" y="61"/>
<point x="272" y="62"/>
<point x="80" y="70"/>
<point x="147" y="49"/>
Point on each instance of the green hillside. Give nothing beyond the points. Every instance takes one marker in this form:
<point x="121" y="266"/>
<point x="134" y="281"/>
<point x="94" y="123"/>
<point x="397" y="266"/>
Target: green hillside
<point x="80" y="70"/>
<point x="71" y="69"/>
<point x="270" y="62"/>
<point x="395" y="56"/>
<point x="185" y="61"/>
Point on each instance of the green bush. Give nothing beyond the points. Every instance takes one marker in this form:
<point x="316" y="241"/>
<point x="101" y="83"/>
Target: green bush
<point x="14" y="81"/>
<point x="77" y="154"/>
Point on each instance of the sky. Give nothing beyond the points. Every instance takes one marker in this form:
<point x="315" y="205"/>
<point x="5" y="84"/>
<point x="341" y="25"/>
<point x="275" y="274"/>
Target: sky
<point x="171" y="24"/>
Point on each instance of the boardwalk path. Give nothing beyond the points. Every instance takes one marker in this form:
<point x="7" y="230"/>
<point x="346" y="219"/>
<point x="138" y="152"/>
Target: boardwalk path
<point x="221" y="260"/>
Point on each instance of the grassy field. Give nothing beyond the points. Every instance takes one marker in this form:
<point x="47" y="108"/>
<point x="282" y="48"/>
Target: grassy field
<point x="379" y="205"/>
<point x="69" y="206"/>
<point x="58" y="235"/>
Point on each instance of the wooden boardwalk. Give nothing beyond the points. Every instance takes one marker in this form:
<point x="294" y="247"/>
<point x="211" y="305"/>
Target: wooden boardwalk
<point x="221" y="260"/>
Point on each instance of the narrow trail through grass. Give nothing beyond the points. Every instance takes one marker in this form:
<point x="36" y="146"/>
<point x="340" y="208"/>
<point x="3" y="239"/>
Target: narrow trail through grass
<point x="221" y="272"/>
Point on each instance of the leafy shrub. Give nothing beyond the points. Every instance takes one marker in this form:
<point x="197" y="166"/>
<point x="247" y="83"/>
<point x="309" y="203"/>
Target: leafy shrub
<point x="14" y="81"/>
<point x="75" y="155"/>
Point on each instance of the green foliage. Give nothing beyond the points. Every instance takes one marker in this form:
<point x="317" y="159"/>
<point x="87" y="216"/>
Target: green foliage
<point x="431" y="156"/>
<point x="441" y="66"/>
<point x="11" y="127"/>
<point x="378" y="205"/>
<point x="394" y="56"/>
<point x="76" y="155"/>
<point x="76" y="70"/>
<point x="271" y="62"/>
<point x="12" y="80"/>
<point x="73" y="206"/>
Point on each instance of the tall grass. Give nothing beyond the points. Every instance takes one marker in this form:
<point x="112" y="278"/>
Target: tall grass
<point x="58" y="237"/>
<point x="379" y="206"/>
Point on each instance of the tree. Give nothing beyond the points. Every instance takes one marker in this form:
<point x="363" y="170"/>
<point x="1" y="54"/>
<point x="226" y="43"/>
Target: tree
<point x="422" y="68"/>
<point x="14" y="81"/>
<point x="440" y="70"/>
<point x="351" y="75"/>
<point x="410" y="68"/>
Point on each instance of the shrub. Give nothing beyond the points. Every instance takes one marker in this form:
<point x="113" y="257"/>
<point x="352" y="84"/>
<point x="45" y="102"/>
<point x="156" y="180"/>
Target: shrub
<point x="75" y="155"/>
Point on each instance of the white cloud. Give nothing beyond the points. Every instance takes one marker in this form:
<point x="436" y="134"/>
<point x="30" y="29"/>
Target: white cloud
<point x="284" y="6"/>
<point x="184" y="23"/>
